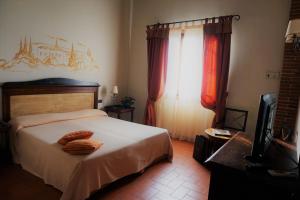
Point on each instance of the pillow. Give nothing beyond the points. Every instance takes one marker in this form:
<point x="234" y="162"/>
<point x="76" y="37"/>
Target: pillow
<point x="82" y="146"/>
<point x="46" y="118"/>
<point x="74" y="136"/>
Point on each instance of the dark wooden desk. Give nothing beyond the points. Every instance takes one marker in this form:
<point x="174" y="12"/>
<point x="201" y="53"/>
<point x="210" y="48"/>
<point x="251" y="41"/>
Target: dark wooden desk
<point x="119" y="109"/>
<point x="230" y="179"/>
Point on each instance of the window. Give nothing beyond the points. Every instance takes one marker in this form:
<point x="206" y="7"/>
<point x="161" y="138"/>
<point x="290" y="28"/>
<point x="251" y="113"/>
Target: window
<point x="180" y="110"/>
<point x="184" y="64"/>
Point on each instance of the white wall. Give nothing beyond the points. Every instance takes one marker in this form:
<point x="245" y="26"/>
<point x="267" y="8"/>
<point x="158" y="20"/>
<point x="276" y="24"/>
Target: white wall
<point x="101" y="24"/>
<point x="257" y="45"/>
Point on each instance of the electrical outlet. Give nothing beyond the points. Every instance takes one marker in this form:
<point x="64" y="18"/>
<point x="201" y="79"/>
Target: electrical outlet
<point x="272" y="75"/>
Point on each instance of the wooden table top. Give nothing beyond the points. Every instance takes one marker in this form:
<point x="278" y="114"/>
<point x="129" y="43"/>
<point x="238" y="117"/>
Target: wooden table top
<point x="211" y="134"/>
<point x="118" y="108"/>
<point x="232" y="154"/>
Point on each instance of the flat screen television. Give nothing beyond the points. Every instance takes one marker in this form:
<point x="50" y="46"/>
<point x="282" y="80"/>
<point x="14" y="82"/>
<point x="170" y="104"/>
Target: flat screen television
<point x="264" y="127"/>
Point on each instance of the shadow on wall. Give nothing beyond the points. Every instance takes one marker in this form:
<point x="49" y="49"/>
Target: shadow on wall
<point x="123" y="51"/>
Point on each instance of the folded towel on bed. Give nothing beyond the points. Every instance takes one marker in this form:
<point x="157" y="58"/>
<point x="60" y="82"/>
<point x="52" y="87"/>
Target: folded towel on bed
<point x="82" y="146"/>
<point x="75" y="135"/>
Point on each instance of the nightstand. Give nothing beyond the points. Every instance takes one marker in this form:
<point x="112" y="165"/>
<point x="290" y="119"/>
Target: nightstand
<point x="119" y="109"/>
<point x="4" y="141"/>
<point x="208" y="143"/>
<point x="215" y="142"/>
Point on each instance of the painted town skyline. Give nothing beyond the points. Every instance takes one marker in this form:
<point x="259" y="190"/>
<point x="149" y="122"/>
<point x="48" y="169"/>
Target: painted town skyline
<point x="53" y="54"/>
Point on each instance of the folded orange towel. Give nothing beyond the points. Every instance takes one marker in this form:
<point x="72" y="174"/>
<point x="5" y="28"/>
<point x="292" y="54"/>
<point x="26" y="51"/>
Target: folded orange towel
<point x="74" y="136"/>
<point x="82" y="146"/>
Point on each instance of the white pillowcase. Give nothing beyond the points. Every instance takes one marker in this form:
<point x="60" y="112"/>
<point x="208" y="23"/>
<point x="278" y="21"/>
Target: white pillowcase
<point x="39" y="119"/>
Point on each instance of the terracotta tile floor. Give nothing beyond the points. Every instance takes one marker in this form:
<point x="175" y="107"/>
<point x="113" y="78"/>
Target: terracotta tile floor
<point x="184" y="179"/>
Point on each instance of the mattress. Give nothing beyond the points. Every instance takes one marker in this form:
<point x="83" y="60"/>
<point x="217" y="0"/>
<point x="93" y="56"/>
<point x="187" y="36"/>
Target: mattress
<point x="128" y="148"/>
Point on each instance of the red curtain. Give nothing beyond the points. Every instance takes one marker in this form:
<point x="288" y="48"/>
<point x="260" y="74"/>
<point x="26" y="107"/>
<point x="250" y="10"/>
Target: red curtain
<point x="217" y="39"/>
<point x="157" y="46"/>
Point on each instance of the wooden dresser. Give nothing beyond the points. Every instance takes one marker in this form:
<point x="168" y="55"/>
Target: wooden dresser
<point x="232" y="179"/>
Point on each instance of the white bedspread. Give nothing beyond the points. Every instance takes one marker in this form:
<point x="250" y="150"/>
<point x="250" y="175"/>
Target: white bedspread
<point x="128" y="148"/>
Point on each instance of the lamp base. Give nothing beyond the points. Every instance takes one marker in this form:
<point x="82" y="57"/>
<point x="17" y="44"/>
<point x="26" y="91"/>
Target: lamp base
<point x="296" y="42"/>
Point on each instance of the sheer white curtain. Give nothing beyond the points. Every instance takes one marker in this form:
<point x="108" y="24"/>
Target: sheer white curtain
<point x="180" y="110"/>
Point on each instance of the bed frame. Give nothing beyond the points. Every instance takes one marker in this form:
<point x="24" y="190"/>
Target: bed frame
<point x="47" y="96"/>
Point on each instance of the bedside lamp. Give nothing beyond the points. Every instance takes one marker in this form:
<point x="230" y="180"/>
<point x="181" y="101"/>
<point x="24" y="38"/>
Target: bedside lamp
<point x="115" y="91"/>
<point x="293" y="33"/>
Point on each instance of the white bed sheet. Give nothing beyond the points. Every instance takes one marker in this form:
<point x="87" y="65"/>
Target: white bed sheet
<point x="128" y="148"/>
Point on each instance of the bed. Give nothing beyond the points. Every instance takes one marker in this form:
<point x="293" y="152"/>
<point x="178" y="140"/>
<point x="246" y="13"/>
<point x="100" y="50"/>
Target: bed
<point x="42" y="111"/>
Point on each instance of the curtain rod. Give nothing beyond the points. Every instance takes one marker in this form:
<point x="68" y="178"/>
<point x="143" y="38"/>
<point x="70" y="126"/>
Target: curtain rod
<point x="236" y="17"/>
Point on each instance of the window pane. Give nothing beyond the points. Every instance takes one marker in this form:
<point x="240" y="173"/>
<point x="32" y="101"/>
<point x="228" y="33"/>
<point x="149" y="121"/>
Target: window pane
<point x="184" y="75"/>
<point x="173" y="64"/>
<point x="191" y="65"/>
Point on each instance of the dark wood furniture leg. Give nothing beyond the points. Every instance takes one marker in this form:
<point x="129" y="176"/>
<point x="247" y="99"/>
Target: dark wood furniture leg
<point x="131" y="119"/>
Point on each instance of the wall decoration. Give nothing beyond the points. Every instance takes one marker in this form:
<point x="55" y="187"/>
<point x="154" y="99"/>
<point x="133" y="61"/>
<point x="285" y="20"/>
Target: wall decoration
<point x="60" y="53"/>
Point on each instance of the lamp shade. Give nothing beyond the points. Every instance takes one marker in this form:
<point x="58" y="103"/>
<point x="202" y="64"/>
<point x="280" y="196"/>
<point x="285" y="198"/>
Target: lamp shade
<point x="292" y="30"/>
<point x="115" y="90"/>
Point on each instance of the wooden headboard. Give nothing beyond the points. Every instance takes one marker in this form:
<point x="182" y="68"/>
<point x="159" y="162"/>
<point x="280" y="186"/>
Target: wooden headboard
<point x="47" y="96"/>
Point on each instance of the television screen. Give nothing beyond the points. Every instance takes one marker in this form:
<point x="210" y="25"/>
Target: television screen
<point x="264" y="127"/>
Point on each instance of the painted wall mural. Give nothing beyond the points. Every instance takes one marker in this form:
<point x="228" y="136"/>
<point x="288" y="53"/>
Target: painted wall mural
<point x="59" y="53"/>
